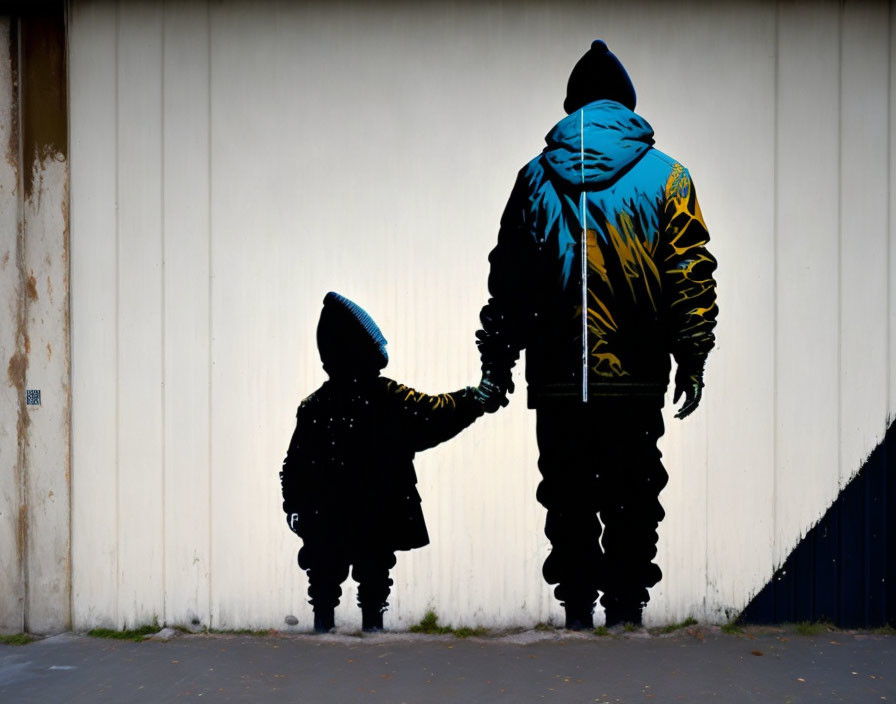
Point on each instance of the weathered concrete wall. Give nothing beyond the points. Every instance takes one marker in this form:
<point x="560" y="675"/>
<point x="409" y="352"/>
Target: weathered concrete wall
<point x="12" y="411"/>
<point x="35" y="437"/>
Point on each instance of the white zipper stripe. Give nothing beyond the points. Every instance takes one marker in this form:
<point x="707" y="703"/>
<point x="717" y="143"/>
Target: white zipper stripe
<point x="584" y="219"/>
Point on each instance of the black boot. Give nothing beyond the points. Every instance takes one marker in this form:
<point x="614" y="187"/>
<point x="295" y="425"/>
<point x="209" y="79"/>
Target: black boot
<point x="324" y="621"/>
<point x="579" y="617"/>
<point x="620" y="615"/>
<point x="372" y="618"/>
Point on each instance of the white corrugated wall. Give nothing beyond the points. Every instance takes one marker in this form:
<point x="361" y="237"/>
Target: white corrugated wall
<point x="231" y="162"/>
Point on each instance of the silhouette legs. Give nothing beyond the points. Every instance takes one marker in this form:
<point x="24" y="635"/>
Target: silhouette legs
<point x="600" y="465"/>
<point x="328" y="567"/>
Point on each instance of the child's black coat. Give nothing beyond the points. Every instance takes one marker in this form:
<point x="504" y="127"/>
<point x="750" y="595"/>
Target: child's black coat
<point x="349" y="472"/>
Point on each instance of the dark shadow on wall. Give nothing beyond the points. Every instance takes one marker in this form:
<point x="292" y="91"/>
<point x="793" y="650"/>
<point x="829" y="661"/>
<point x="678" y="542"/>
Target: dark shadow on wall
<point x="844" y="569"/>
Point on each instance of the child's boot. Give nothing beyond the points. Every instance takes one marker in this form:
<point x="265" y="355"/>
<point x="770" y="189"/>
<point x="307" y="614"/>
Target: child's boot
<point x="372" y="618"/>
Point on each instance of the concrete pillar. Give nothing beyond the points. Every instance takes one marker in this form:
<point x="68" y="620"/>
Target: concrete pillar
<point x="35" y="592"/>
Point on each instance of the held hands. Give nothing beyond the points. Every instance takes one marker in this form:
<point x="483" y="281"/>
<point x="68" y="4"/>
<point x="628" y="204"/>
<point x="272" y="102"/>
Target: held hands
<point x="690" y="383"/>
<point x="490" y="394"/>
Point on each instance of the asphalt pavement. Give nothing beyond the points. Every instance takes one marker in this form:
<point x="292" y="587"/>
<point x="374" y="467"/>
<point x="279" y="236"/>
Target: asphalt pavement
<point x="694" y="664"/>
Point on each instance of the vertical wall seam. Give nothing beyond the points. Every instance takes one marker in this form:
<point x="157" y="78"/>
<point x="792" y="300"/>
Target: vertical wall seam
<point x="71" y="445"/>
<point x="118" y="622"/>
<point x="208" y="33"/>
<point x="884" y="507"/>
<point x="21" y="321"/>
<point x="775" y="322"/>
<point x="66" y="17"/>
<point x="164" y="583"/>
<point x="840" y="246"/>
<point x="840" y="538"/>
<point x="884" y="515"/>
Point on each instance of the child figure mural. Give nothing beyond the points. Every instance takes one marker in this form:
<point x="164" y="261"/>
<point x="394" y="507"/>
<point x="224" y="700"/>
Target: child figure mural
<point x="600" y="272"/>
<point x="348" y="480"/>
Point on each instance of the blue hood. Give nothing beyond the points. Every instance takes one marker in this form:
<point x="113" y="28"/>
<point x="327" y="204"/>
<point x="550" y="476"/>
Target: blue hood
<point x="615" y="138"/>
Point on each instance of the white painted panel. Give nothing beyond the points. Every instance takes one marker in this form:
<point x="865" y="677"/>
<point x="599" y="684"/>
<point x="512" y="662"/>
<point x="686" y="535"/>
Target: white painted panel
<point x="371" y="151"/>
<point x="729" y="149"/>
<point x="186" y="308"/>
<point x="807" y="268"/>
<point x="141" y="530"/>
<point x="864" y="198"/>
<point x="259" y="279"/>
<point x="94" y="292"/>
<point x="12" y="588"/>
<point x="237" y="570"/>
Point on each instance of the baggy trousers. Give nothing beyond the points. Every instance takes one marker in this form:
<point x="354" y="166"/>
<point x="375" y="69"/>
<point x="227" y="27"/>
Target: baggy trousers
<point x="327" y="567"/>
<point x="600" y="465"/>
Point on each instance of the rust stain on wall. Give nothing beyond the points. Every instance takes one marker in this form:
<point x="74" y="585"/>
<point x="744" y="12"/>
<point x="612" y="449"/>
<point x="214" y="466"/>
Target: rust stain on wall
<point x="21" y="533"/>
<point x="49" y="352"/>
<point x="31" y="287"/>
<point x="15" y="377"/>
<point x="12" y="145"/>
<point x="15" y="370"/>
<point x="5" y="261"/>
<point x="44" y="99"/>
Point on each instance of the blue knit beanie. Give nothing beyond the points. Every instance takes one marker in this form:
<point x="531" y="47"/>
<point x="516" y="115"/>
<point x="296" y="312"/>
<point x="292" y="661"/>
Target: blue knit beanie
<point x="348" y="338"/>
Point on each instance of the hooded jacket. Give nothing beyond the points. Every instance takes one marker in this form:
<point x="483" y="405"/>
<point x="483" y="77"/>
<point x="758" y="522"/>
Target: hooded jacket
<point x="601" y="268"/>
<point x="349" y="470"/>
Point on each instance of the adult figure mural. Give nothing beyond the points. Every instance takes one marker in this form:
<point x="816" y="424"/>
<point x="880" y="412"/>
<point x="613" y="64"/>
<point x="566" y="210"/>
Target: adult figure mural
<point x="600" y="273"/>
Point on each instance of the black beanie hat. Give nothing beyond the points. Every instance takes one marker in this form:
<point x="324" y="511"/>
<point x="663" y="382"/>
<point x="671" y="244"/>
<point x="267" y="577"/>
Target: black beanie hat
<point x="598" y="76"/>
<point x="348" y="338"/>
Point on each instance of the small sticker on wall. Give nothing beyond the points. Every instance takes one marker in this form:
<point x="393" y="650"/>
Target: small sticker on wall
<point x="32" y="397"/>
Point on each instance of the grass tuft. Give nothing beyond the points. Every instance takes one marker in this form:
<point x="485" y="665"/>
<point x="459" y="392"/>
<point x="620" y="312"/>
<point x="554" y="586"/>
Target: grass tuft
<point x="672" y="627"/>
<point x="17" y="639"/>
<point x="136" y="634"/>
<point x="629" y="627"/>
<point x="542" y="626"/>
<point x="602" y="631"/>
<point x="813" y="628"/>
<point x="731" y="628"/>
<point x="430" y="625"/>
<point x="887" y="630"/>
<point x="466" y="631"/>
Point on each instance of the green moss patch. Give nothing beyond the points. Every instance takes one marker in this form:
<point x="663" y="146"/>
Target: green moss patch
<point x="672" y="627"/>
<point x="430" y="625"/>
<point x="17" y="639"/>
<point x="136" y="634"/>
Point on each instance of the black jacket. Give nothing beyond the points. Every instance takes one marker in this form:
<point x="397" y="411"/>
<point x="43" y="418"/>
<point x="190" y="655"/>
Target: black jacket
<point x="349" y="471"/>
<point x="599" y="194"/>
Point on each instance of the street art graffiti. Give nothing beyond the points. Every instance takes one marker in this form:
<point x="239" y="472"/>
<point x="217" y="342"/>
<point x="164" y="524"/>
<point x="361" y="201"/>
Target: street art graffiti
<point x="348" y="480"/>
<point x="600" y="273"/>
<point x="600" y="201"/>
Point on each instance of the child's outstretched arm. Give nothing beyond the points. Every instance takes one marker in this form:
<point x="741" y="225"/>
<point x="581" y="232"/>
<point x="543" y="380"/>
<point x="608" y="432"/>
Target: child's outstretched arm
<point x="430" y="420"/>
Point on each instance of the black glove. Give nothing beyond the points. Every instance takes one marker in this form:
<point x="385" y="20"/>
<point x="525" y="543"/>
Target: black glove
<point x="688" y="381"/>
<point x="491" y="393"/>
<point x="292" y="520"/>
